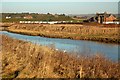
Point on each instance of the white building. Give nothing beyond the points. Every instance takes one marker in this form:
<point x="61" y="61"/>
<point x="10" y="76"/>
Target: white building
<point x="7" y="17"/>
<point x="40" y="22"/>
<point x="111" y="22"/>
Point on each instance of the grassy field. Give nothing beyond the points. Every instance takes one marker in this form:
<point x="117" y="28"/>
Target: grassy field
<point x="16" y="17"/>
<point x="25" y="60"/>
<point x="102" y="33"/>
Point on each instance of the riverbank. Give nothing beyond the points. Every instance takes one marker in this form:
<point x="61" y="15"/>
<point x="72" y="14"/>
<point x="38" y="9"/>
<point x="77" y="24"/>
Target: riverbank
<point x="100" y="33"/>
<point x="22" y="59"/>
<point x="69" y="31"/>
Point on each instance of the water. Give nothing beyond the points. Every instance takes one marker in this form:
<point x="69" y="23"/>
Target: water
<point x="75" y="46"/>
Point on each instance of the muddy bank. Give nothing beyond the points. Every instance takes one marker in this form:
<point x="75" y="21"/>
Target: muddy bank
<point x="22" y="59"/>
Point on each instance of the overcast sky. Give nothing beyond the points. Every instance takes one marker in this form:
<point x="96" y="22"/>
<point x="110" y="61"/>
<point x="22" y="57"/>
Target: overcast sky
<point x="60" y="7"/>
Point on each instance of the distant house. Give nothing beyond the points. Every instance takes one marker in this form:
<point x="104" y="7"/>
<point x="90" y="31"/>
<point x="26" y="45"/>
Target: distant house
<point x="7" y="17"/>
<point x="28" y="17"/>
<point x="104" y="18"/>
<point x="41" y="22"/>
<point x="110" y="19"/>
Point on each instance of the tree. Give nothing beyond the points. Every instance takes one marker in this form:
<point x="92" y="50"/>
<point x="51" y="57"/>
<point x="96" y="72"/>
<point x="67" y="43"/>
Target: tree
<point x="48" y="13"/>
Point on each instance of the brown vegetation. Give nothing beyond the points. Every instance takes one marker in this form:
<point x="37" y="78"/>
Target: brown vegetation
<point x="25" y="60"/>
<point x="103" y="33"/>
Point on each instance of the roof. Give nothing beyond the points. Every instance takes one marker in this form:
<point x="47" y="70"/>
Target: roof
<point x="105" y="14"/>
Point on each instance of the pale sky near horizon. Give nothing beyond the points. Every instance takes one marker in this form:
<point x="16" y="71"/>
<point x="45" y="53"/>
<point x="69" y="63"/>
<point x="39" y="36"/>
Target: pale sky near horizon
<point x="60" y="7"/>
<point x="60" y="0"/>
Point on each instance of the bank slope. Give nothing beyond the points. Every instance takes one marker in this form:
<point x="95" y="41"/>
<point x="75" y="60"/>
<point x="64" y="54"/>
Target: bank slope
<point x="22" y="59"/>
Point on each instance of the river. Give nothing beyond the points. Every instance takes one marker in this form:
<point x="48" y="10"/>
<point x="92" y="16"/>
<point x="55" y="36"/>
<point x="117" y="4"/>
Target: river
<point x="73" y="46"/>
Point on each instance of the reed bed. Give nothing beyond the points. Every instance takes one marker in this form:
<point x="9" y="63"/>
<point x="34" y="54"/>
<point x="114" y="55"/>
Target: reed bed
<point x="22" y="59"/>
<point x="69" y="31"/>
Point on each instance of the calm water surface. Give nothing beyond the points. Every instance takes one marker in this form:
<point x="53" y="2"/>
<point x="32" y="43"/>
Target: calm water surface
<point x="76" y="46"/>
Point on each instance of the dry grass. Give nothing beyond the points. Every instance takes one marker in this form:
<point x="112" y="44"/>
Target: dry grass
<point x="71" y="31"/>
<point x="25" y="60"/>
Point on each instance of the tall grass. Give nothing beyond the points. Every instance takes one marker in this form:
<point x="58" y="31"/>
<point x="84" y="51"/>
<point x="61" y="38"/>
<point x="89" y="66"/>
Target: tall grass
<point x="25" y="60"/>
<point x="72" y="31"/>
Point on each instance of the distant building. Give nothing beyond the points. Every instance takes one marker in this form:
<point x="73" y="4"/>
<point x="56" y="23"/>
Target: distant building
<point x="42" y="22"/>
<point x="7" y="17"/>
<point x="28" y="17"/>
<point x="104" y="18"/>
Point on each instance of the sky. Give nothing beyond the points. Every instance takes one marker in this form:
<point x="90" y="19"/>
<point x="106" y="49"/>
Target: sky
<point x="60" y="0"/>
<point x="75" y="7"/>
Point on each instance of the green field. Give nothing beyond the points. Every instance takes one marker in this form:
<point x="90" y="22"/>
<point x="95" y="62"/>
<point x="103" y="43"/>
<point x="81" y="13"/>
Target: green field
<point x="15" y="17"/>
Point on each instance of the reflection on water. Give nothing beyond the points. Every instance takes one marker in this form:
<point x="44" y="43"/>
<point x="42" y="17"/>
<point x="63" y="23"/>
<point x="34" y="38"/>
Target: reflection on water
<point x="76" y="46"/>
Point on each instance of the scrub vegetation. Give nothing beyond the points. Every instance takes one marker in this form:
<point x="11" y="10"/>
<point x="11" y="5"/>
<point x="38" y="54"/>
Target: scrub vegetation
<point x="102" y="33"/>
<point x="22" y="59"/>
